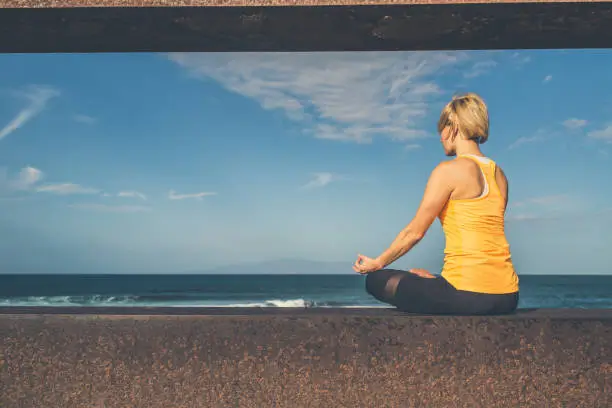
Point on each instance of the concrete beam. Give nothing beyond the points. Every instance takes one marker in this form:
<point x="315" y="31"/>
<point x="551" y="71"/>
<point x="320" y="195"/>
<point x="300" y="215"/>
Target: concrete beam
<point x="54" y="357"/>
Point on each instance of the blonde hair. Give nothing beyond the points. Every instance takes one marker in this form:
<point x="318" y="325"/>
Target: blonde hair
<point x="467" y="113"/>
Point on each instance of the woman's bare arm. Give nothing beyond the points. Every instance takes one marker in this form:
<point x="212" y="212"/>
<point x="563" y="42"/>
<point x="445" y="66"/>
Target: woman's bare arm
<point x="438" y="191"/>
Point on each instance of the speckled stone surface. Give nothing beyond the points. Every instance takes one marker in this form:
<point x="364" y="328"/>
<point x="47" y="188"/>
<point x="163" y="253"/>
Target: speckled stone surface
<point x="166" y="3"/>
<point x="303" y="358"/>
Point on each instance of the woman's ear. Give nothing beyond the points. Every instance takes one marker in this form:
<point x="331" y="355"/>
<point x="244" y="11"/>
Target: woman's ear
<point x="453" y="132"/>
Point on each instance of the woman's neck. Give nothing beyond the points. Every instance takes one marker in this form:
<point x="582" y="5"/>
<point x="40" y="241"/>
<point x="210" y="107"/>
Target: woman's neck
<point x="467" y="147"/>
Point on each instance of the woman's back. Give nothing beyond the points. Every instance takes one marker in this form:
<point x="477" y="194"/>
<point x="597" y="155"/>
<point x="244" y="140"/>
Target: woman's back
<point x="469" y="196"/>
<point x="477" y="254"/>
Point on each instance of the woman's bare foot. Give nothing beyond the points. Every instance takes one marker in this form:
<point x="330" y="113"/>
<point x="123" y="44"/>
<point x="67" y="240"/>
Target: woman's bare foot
<point x="423" y="273"/>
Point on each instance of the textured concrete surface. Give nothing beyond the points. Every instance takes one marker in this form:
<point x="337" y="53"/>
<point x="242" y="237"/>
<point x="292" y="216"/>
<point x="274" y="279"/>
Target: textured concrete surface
<point x="172" y="3"/>
<point x="303" y="358"/>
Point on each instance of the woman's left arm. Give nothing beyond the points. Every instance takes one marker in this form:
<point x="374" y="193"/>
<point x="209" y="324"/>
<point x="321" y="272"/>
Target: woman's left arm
<point x="437" y="192"/>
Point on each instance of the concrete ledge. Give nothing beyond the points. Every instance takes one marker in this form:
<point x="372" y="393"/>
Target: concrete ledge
<point x="55" y="357"/>
<point x="249" y="3"/>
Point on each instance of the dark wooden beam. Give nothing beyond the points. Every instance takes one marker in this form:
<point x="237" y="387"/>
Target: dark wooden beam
<point x="317" y="28"/>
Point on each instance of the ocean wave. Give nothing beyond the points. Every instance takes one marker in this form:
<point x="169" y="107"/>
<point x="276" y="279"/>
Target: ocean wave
<point x="276" y="303"/>
<point x="140" y="301"/>
<point x="69" y="300"/>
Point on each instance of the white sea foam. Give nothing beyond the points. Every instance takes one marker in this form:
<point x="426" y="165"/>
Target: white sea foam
<point x="94" y="300"/>
<point x="132" y="301"/>
<point x="274" y="303"/>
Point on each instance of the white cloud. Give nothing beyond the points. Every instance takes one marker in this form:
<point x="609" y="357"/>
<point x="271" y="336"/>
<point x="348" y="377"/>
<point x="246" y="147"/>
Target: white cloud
<point x="543" y="207"/>
<point x="37" y="97"/>
<point x="547" y="78"/>
<point x="28" y="176"/>
<point x="525" y="140"/>
<point x="86" y="119"/>
<point x="23" y="181"/>
<point x="544" y="200"/>
<point x="321" y="179"/>
<point x="11" y="199"/>
<point x="111" y="208"/>
<point x="539" y="135"/>
<point x="412" y="146"/>
<point x="570" y="215"/>
<point x="132" y="194"/>
<point x="344" y="96"/>
<point x="28" y="180"/>
<point x="522" y="217"/>
<point x="480" y="68"/>
<point x="574" y="123"/>
<point x="66" y="189"/>
<point x="198" y="196"/>
<point x="604" y="134"/>
<point x="548" y="133"/>
<point x="520" y="59"/>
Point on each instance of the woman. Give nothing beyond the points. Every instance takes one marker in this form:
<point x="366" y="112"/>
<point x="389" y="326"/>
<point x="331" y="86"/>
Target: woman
<point x="469" y="194"/>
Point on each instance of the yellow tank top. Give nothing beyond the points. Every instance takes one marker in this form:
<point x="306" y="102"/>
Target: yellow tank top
<point x="477" y="254"/>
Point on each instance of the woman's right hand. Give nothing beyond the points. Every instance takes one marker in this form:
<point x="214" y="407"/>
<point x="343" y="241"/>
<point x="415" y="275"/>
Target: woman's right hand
<point x="365" y="264"/>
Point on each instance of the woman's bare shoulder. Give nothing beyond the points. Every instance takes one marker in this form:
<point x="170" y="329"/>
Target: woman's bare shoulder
<point x="461" y="164"/>
<point x="445" y="168"/>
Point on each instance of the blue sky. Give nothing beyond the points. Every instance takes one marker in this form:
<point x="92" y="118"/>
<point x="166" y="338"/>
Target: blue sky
<point x="170" y="163"/>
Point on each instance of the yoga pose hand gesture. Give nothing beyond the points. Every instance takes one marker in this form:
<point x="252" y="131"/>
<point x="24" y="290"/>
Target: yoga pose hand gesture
<point x="364" y="264"/>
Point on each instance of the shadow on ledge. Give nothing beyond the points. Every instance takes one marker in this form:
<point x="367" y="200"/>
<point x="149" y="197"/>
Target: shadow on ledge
<point x="202" y="357"/>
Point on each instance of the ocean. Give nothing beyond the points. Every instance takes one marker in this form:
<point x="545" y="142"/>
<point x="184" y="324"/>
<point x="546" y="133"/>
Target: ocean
<point x="537" y="291"/>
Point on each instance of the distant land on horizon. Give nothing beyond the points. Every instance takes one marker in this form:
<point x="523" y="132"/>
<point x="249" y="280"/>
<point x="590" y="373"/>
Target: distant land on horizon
<point x="305" y="267"/>
<point x="276" y="267"/>
<point x="284" y="267"/>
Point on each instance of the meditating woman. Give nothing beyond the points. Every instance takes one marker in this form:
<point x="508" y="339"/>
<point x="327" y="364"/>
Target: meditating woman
<point x="469" y="194"/>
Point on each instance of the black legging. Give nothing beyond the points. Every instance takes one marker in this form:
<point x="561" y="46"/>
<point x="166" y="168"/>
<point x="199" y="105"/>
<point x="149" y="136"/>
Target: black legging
<point x="416" y="294"/>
